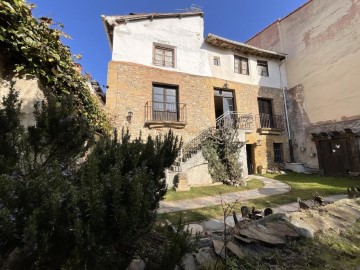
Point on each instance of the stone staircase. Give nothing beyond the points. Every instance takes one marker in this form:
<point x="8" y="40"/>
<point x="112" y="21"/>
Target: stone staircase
<point x="190" y="149"/>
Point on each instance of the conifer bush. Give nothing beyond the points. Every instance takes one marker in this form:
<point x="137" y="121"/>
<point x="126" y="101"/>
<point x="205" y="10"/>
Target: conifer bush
<point x="55" y="213"/>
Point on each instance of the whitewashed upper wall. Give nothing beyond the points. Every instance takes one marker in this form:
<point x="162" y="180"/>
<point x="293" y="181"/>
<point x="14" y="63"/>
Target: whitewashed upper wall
<point x="133" y="42"/>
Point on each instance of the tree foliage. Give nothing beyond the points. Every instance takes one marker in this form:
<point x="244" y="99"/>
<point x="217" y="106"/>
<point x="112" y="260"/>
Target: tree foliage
<point x="34" y="46"/>
<point x="55" y="213"/>
<point x="221" y="150"/>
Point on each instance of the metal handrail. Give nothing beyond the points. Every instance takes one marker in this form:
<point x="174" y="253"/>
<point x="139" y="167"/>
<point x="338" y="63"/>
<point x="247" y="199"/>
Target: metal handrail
<point x="230" y="119"/>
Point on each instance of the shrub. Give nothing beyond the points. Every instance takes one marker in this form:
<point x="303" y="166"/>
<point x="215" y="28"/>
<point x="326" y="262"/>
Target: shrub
<point x="94" y="215"/>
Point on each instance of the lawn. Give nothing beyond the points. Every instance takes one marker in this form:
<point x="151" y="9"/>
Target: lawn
<point x="302" y="185"/>
<point x="196" y="192"/>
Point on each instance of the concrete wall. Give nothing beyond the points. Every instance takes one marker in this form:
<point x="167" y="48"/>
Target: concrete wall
<point x="134" y="41"/>
<point x="322" y="40"/>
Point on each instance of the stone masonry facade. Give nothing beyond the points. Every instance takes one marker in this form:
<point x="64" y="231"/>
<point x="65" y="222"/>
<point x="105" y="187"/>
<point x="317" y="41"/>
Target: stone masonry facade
<point x="130" y="87"/>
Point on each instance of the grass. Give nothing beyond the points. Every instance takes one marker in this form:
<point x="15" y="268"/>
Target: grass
<point x="197" y="192"/>
<point x="302" y="185"/>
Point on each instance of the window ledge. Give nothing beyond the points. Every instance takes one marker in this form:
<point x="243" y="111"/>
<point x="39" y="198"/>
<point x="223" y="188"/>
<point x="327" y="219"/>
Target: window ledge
<point x="165" y="124"/>
<point x="270" y="131"/>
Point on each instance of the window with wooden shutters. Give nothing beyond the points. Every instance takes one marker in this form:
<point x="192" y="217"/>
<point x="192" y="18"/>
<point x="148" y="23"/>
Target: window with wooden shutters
<point x="164" y="56"/>
<point x="241" y="65"/>
<point x="263" y="68"/>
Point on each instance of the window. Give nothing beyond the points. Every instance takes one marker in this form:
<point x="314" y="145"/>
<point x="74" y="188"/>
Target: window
<point x="278" y="152"/>
<point x="265" y="111"/>
<point x="165" y="106"/>
<point x="216" y="61"/>
<point x="164" y="56"/>
<point x="241" y="65"/>
<point x="262" y="67"/>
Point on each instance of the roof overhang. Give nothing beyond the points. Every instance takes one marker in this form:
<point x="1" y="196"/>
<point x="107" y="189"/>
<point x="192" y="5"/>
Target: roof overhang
<point x="110" y="22"/>
<point x="242" y="47"/>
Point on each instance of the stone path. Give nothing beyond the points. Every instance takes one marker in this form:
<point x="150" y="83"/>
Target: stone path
<point x="271" y="187"/>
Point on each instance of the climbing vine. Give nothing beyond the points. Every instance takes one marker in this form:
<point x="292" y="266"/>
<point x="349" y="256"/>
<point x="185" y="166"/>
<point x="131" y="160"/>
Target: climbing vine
<point x="35" y="48"/>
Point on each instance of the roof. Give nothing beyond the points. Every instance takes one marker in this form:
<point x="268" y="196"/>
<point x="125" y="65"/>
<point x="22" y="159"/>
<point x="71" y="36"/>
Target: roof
<point x="111" y="21"/>
<point x="242" y="47"/>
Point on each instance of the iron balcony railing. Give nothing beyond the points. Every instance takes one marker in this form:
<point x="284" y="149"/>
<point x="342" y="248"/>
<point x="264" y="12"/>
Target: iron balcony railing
<point x="165" y="112"/>
<point x="242" y="121"/>
<point x="266" y="120"/>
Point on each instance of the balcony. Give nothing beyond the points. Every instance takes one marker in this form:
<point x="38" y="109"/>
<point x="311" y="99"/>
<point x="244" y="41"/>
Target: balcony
<point x="242" y="121"/>
<point x="270" y="124"/>
<point x="165" y="114"/>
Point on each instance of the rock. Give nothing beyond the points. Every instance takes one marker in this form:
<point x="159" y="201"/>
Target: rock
<point x="243" y="239"/>
<point x="272" y="218"/>
<point x="205" y="242"/>
<point x="235" y="249"/>
<point x="205" y="256"/>
<point x="280" y="229"/>
<point x="341" y="212"/>
<point x="213" y="225"/>
<point x="188" y="262"/>
<point x="194" y="228"/>
<point x="258" y="232"/>
<point x="302" y="228"/>
<point x="136" y="264"/>
<point x="219" y="248"/>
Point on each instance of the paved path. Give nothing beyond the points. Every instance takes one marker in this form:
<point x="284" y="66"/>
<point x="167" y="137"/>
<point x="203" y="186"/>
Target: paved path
<point x="271" y="187"/>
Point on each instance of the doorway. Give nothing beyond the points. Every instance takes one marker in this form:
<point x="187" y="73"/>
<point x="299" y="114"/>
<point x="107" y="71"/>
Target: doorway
<point x="224" y="102"/>
<point x="335" y="156"/>
<point x="250" y="158"/>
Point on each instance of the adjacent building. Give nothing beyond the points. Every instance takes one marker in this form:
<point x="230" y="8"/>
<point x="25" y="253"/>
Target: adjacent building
<point x="322" y="43"/>
<point x="165" y="74"/>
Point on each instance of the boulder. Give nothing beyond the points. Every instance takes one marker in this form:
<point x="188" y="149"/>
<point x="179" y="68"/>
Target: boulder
<point x="236" y="250"/>
<point x="188" y="262"/>
<point x="194" y="228"/>
<point x="259" y="232"/>
<point x="219" y="248"/>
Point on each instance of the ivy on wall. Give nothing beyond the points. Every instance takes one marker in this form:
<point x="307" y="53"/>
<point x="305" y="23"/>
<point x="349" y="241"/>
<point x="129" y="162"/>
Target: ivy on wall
<point x="34" y="47"/>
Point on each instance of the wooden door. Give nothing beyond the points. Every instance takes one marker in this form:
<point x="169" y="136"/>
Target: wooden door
<point x="335" y="155"/>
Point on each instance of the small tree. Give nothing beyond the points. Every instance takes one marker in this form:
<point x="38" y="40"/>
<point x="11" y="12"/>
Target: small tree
<point x="221" y="150"/>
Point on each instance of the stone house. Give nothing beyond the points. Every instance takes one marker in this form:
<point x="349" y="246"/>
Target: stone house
<point x="164" y="74"/>
<point x="322" y="43"/>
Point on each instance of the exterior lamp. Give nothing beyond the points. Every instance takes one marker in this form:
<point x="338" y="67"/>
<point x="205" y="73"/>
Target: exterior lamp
<point x="129" y="116"/>
<point x="258" y="142"/>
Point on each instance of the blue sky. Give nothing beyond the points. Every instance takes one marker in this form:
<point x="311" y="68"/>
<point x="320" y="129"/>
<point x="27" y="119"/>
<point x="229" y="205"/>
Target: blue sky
<point x="233" y="19"/>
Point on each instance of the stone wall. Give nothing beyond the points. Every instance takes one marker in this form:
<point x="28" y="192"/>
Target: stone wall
<point x="28" y="87"/>
<point x="130" y="87"/>
<point x="304" y="147"/>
